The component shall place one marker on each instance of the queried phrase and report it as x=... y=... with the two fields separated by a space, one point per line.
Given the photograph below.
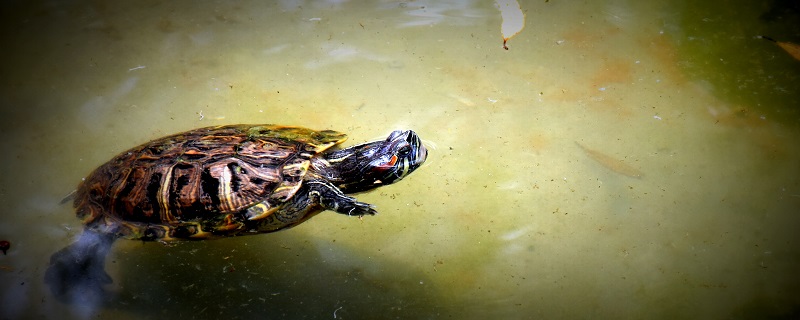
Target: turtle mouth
x=422 y=155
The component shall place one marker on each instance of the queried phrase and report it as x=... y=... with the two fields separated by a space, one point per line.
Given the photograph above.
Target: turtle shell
x=203 y=175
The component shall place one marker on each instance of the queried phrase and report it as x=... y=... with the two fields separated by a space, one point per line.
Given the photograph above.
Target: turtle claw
x=350 y=207
x=361 y=209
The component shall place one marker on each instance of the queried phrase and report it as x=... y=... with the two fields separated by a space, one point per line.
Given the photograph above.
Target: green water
x=623 y=159
x=721 y=46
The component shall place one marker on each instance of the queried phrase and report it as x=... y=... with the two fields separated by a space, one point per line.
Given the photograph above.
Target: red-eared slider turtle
x=223 y=181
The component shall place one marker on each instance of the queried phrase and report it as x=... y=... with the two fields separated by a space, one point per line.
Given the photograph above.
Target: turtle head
x=374 y=164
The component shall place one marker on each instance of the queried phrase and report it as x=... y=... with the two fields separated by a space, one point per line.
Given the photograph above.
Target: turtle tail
x=77 y=273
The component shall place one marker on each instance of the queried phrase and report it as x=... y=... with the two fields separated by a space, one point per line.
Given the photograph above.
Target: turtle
x=222 y=181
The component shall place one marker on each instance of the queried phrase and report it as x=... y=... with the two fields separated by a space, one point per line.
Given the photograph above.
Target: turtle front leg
x=331 y=198
x=313 y=197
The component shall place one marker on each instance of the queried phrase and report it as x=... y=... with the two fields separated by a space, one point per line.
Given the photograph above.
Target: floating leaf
x=792 y=48
x=513 y=19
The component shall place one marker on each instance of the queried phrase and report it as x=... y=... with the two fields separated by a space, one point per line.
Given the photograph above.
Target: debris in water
x=513 y=19
x=4 y=246
x=792 y=48
x=611 y=163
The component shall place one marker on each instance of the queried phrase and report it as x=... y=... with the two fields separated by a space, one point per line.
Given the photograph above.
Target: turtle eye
x=404 y=150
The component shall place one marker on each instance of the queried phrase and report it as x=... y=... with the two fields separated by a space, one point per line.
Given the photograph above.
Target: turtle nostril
x=422 y=154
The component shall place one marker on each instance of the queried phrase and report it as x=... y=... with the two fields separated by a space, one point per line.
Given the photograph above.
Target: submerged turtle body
x=225 y=181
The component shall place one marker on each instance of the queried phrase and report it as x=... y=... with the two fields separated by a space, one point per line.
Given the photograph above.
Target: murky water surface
x=623 y=159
